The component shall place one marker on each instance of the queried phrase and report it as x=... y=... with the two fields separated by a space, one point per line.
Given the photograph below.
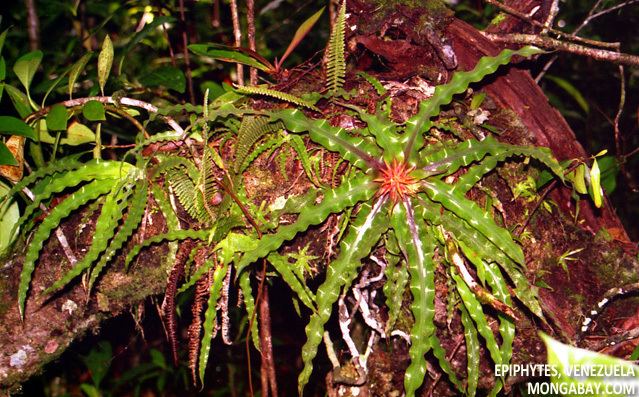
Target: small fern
x=335 y=57
x=251 y=130
x=282 y=96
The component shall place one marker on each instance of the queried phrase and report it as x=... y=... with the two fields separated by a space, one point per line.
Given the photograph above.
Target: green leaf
x=472 y=352
x=93 y=111
x=105 y=60
x=232 y=54
x=57 y=118
x=6 y=157
x=475 y=216
x=443 y=95
x=363 y=234
x=579 y=181
x=14 y=126
x=74 y=201
x=78 y=134
x=3 y=36
x=418 y=247
x=301 y=32
x=26 y=67
x=346 y=195
x=566 y=359
x=9 y=215
x=19 y=100
x=595 y=184
x=167 y=76
x=336 y=63
x=75 y=71
x=609 y=167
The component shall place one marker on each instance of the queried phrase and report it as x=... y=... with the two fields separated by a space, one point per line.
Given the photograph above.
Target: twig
x=110 y=100
x=552 y=14
x=250 y=31
x=185 y=51
x=559 y=33
x=591 y=15
x=554 y=44
x=237 y=33
x=622 y=101
x=224 y=308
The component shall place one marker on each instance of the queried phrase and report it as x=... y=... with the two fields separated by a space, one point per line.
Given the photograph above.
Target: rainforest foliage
x=109 y=140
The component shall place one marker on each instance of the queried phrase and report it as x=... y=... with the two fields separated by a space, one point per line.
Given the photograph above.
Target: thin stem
x=109 y=100
x=185 y=51
x=250 y=18
x=237 y=33
x=554 y=44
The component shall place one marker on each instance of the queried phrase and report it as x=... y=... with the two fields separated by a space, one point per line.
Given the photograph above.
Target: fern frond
x=63 y=165
x=418 y=247
x=361 y=153
x=475 y=216
x=472 y=352
x=302 y=155
x=336 y=62
x=346 y=195
x=283 y=267
x=85 y=194
x=251 y=130
x=394 y=288
x=209 y=318
x=91 y=171
x=377 y=85
x=443 y=95
x=267 y=147
x=249 y=303
x=130 y=224
x=172 y=235
x=111 y=213
x=363 y=235
x=282 y=96
x=187 y=193
x=477 y=314
x=444 y=363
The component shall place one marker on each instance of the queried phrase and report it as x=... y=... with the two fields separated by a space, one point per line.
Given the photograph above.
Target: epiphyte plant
x=398 y=188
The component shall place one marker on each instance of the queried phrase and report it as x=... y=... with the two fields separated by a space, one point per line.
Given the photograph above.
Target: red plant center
x=396 y=181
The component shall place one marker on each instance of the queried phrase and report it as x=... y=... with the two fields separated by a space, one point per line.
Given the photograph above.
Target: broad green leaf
x=232 y=54
x=595 y=184
x=301 y=32
x=565 y=360
x=6 y=158
x=9 y=215
x=166 y=76
x=15 y=126
x=57 y=118
x=75 y=71
x=78 y=134
x=579 y=181
x=26 y=67
x=609 y=167
x=93 y=111
x=19 y=100
x=3 y=69
x=105 y=60
x=3 y=36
